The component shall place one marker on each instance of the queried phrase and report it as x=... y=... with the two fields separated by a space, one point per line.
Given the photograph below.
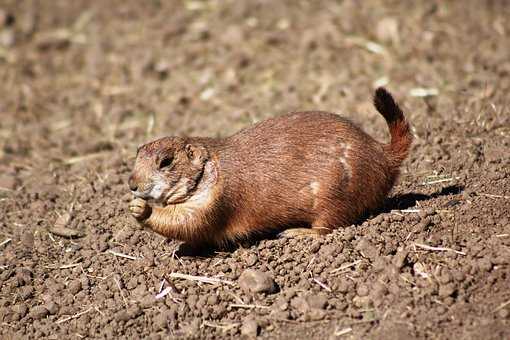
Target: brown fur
x=306 y=169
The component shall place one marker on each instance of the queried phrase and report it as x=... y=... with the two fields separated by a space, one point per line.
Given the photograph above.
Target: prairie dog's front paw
x=139 y=209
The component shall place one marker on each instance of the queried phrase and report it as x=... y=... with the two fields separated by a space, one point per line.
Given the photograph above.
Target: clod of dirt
x=400 y=258
x=54 y=40
x=251 y=259
x=485 y=264
x=128 y=314
x=20 y=309
x=318 y=301
x=348 y=235
x=419 y=269
x=367 y=249
x=378 y=291
x=387 y=30
x=27 y=239
x=52 y=308
x=329 y=250
x=5 y=314
x=162 y=318
x=362 y=301
x=315 y=247
x=281 y=304
x=147 y=301
x=63 y=220
x=38 y=312
x=423 y=225
x=255 y=281
x=300 y=304
x=212 y=300
x=311 y=306
x=444 y=278
x=26 y=292
x=24 y=276
x=250 y=328
x=60 y=227
x=74 y=287
x=446 y=290
x=362 y=290
x=315 y=314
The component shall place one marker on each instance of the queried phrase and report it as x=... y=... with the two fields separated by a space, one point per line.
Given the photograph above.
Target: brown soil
x=84 y=82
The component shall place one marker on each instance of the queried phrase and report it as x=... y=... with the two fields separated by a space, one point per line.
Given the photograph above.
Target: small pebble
x=212 y=300
x=318 y=301
x=400 y=258
x=27 y=240
x=315 y=314
x=300 y=304
x=485 y=264
x=255 y=281
x=20 y=309
x=361 y=301
x=362 y=290
x=315 y=247
x=74 y=287
x=26 y=292
x=161 y=319
x=367 y=249
x=251 y=259
x=38 y=312
x=446 y=290
x=52 y=308
x=250 y=328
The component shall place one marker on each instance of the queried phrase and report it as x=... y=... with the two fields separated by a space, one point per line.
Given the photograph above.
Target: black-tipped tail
x=400 y=131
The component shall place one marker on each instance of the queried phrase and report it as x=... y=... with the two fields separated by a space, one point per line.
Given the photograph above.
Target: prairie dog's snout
x=133 y=186
x=142 y=189
x=136 y=189
x=313 y=170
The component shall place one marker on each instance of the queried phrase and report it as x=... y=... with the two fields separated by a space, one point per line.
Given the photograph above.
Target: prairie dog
x=300 y=173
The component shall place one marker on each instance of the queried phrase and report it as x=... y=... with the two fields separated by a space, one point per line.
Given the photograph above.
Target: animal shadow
x=196 y=250
x=211 y=250
x=406 y=201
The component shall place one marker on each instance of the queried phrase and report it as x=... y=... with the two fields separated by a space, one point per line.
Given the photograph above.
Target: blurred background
x=125 y=71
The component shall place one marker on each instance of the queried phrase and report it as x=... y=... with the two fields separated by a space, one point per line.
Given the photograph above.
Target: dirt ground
x=84 y=82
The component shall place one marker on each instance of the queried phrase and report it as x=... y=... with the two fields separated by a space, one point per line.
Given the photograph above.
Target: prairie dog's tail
x=400 y=131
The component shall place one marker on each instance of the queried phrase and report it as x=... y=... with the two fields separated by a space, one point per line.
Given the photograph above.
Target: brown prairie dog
x=301 y=173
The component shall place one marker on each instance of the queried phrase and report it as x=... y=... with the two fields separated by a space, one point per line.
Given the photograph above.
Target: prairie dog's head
x=167 y=170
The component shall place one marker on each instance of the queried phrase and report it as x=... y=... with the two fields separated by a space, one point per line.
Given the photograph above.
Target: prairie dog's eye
x=166 y=162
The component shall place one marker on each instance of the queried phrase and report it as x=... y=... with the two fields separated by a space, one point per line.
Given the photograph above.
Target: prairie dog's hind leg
x=314 y=232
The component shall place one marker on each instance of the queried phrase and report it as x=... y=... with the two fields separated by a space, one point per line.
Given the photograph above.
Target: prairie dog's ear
x=197 y=154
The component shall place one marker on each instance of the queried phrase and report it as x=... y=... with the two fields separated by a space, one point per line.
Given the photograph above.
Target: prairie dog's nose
x=132 y=184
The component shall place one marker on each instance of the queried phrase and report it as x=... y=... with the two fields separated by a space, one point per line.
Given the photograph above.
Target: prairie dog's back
x=296 y=141
x=300 y=156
